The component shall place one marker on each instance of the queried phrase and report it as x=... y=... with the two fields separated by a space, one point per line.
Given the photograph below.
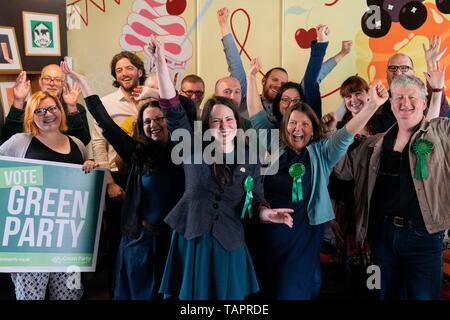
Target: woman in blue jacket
x=289 y=258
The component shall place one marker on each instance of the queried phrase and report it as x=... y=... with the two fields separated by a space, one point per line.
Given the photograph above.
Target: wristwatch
x=436 y=89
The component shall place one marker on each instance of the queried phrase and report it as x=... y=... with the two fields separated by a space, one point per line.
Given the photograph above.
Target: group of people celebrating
x=225 y=230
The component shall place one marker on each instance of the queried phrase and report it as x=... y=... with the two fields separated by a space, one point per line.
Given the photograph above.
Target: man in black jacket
x=52 y=80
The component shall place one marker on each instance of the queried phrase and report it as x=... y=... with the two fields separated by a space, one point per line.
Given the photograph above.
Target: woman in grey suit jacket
x=208 y=257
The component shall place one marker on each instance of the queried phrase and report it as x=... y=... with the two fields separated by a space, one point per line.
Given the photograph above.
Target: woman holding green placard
x=208 y=257
x=44 y=139
x=289 y=258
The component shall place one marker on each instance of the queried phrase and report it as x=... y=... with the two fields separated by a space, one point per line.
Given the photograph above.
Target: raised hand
x=222 y=18
x=165 y=85
x=279 y=215
x=255 y=66
x=71 y=95
x=378 y=93
x=21 y=89
x=346 y=47
x=78 y=78
x=323 y=33
x=432 y=53
x=436 y=78
x=154 y=48
x=330 y=121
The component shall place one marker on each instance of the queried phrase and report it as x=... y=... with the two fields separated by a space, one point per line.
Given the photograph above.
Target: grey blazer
x=204 y=207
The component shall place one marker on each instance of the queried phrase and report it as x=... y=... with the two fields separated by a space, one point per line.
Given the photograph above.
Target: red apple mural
x=304 y=38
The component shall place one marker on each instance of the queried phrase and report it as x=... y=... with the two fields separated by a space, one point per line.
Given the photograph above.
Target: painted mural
x=279 y=31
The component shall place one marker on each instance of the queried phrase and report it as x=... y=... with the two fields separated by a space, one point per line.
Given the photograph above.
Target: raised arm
x=432 y=55
x=378 y=95
x=169 y=101
x=119 y=139
x=234 y=61
x=14 y=118
x=311 y=88
x=254 y=104
x=335 y=146
x=77 y=122
x=436 y=81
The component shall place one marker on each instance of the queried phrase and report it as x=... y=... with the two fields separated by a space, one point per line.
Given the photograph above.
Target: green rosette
x=296 y=171
x=422 y=148
x=248 y=187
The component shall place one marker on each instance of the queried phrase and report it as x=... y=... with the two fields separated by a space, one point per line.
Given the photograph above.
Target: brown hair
x=32 y=104
x=318 y=130
x=192 y=78
x=267 y=74
x=135 y=61
x=351 y=85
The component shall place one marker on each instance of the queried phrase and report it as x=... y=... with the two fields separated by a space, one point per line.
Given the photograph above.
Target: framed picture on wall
x=41 y=34
x=9 y=53
x=7 y=96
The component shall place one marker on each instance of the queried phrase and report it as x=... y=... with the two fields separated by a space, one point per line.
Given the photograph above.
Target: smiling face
x=408 y=104
x=356 y=101
x=395 y=65
x=52 y=79
x=288 y=98
x=223 y=124
x=155 y=126
x=273 y=82
x=127 y=75
x=50 y=120
x=299 y=130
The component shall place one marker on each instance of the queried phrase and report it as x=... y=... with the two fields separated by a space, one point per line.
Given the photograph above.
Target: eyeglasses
x=158 y=120
x=403 y=69
x=40 y=112
x=288 y=100
x=48 y=80
x=190 y=93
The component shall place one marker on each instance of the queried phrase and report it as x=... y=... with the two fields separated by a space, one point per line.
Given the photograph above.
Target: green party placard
x=50 y=216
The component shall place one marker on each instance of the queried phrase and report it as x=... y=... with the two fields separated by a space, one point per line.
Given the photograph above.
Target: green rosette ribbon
x=296 y=171
x=248 y=187
x=421 y=148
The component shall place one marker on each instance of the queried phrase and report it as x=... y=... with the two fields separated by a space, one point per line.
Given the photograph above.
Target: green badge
x=296 y=171
x=248 y=187
x=421 y=148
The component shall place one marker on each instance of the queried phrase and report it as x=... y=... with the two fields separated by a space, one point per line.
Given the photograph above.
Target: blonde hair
x=33 y=103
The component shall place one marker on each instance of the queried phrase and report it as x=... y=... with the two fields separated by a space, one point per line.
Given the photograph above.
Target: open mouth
x=127 y=79
x=297 y=137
